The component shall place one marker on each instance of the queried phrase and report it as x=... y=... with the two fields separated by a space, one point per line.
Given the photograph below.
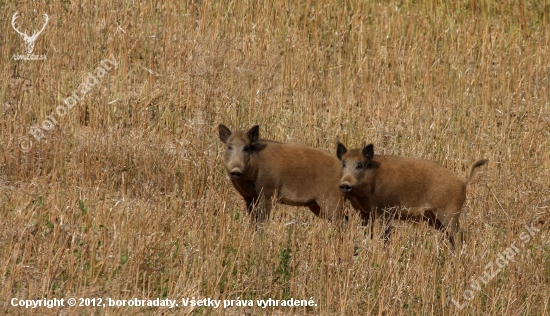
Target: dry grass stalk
x=127 y=196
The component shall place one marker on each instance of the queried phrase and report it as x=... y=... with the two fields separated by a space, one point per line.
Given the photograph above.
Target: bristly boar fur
x=262 y=170
x=403 y=188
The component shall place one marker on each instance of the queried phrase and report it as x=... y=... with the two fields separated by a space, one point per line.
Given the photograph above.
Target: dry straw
x=127 y=196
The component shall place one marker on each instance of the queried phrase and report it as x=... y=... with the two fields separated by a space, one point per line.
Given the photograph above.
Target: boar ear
x=254 y=133
x=341 y=150
x=368 y=151
x=224 y=133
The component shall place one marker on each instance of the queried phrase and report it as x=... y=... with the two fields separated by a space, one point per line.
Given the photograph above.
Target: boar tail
x=476 y=164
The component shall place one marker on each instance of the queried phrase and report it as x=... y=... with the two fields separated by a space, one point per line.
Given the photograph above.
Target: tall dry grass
x=127 y=197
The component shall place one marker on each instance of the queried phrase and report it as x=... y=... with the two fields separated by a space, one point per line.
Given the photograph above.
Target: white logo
x=29 y=40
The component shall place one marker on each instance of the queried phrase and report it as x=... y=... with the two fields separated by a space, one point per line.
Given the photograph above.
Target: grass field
x=123 y=195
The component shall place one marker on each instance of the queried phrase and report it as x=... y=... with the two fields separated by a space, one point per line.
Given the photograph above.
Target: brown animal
x=292 y=174
x=402 y=188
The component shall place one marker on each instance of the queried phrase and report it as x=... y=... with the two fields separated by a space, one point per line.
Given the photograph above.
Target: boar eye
x=343 y=164
x=230 y=147
x=246 y=148
x=359 y=165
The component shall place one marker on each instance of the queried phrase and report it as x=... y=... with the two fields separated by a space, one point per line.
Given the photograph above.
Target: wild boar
x=403 y=188
x=262 y=170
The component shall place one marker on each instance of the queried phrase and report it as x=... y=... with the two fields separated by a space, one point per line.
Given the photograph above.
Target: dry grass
x=127 y=196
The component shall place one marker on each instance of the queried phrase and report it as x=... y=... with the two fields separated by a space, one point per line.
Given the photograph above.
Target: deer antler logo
x=29 y=40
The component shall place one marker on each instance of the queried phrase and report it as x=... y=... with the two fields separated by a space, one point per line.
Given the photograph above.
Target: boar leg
x=431 y=218
x=387 y=231
x=315 y=208
x=333 y=210
x=258 y=209
x=452 y=229
x=387 y=216
x=367 y=217
x=262 y=207
x=436 y=223
x=365 y=213
x=250 y=202
x=449 y=224
x=251 y=207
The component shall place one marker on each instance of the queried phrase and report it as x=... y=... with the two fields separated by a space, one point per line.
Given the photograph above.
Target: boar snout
x=347 y=183
x=345 y=187
x=236 y=173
